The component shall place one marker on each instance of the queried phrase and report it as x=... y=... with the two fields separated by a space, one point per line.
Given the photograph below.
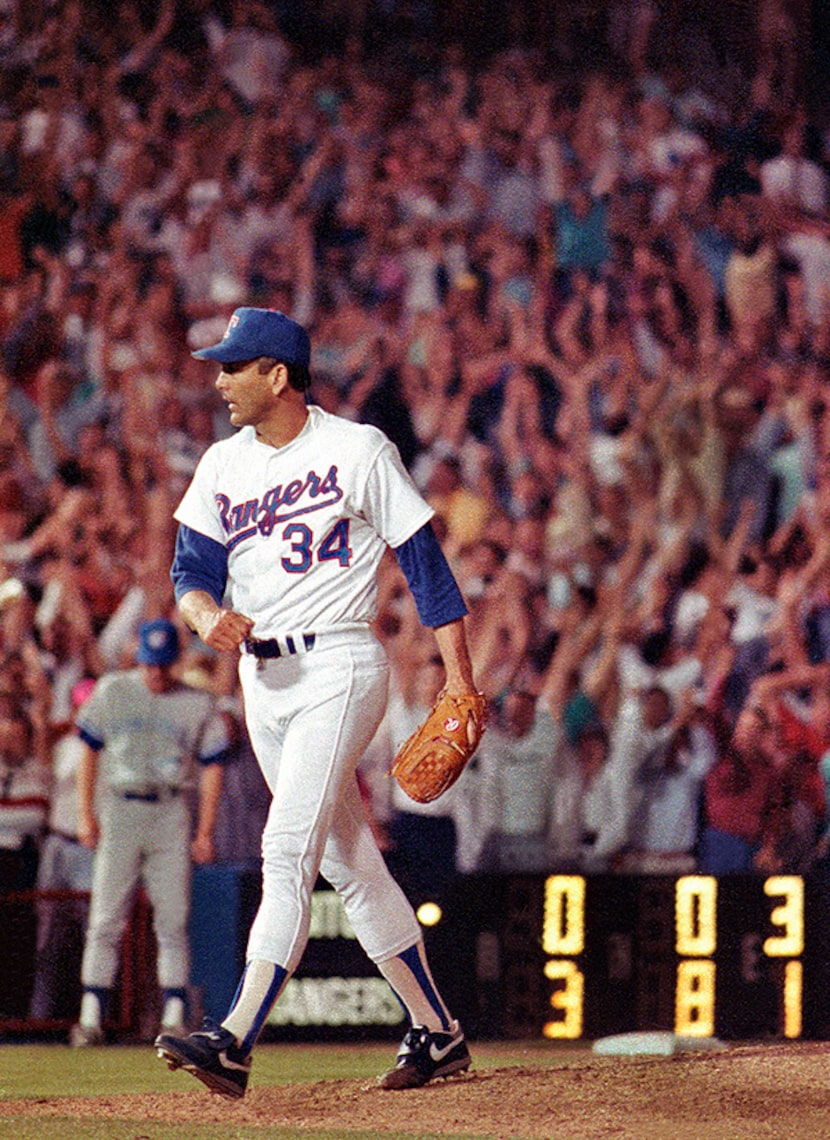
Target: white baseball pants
x=310 y=718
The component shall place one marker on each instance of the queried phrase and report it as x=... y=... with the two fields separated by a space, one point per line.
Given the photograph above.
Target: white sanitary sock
x=90 y=1011
x=409 y=976
x=258 y=990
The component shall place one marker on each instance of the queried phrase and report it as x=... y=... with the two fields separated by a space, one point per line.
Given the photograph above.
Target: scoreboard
x=683 y=949
x=566 y=956
x=737 y=957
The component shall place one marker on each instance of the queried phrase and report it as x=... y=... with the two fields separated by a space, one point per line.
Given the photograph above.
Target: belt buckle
x=250 y=644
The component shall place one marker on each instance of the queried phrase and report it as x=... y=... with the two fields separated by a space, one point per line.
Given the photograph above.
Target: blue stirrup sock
x=409 y=976
x=259 y=987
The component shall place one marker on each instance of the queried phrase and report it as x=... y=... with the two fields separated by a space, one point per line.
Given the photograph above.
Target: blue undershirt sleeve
x=89 y=738
x=434 y=588
x=199 y=563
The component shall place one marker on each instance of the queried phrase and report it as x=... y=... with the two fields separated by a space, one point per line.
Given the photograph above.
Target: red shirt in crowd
x=739 y=793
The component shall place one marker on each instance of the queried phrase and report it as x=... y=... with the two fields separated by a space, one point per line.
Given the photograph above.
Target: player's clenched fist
x=219 y=628
x=226 y=629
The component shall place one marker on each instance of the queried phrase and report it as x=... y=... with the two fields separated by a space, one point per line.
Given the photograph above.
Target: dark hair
x=71 y=474
x=587 y=594
x=697 y=560
x=299 y=376
x=654 y=645
x=592 y=729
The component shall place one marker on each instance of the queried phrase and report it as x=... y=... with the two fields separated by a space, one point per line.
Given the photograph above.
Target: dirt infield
x=754 y=1092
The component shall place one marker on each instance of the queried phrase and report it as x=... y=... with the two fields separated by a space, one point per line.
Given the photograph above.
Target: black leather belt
x=151 y=797
x=267 y=648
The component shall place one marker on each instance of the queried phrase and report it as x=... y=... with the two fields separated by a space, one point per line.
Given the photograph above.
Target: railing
x=41 y=942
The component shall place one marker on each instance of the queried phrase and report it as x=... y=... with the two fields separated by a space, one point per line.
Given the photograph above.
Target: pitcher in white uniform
x=281 y=533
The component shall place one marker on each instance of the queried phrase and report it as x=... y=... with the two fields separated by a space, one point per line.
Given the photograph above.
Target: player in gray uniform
x=147 y=732
x=294 y=512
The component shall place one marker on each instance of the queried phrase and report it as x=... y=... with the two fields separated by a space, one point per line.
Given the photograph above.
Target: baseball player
x=146 y=732
x=294 y=512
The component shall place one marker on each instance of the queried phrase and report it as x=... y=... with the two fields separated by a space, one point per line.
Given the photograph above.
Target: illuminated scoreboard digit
x=563 y=937
x=697 y=943
x=688 y=954
x=696 y=940
x=788 y=917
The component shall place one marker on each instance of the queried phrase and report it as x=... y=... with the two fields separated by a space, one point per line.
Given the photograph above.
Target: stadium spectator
x=64 y=865
x=589 y=305
x=518 y=777
x=24 y=777
x=667 y=791
x=739 y=797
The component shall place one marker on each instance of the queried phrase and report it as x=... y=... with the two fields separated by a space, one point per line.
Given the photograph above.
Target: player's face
x=157 y=678
x=246 y=391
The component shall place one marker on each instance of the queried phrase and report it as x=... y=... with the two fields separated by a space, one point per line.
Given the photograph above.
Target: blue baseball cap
x=158 y=643
x=252 y=333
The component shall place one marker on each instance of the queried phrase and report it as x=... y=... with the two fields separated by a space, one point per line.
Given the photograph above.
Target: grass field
x=766 y=1090
x=40 y=1073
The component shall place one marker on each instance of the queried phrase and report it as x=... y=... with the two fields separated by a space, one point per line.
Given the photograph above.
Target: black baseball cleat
x=423 y=1056
x=212 y=1055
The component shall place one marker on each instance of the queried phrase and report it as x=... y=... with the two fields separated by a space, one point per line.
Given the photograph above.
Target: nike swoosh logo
x=439 y=1054
x=229 y=1064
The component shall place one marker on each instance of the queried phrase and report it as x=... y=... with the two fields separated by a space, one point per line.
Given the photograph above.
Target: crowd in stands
x=589 y=302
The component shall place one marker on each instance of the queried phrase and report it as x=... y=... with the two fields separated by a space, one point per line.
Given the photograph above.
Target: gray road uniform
x=149 y=748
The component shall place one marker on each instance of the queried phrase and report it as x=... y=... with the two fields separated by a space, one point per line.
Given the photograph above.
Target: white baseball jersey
x=305 y=525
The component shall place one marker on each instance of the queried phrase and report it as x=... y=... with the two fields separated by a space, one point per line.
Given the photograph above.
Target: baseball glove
x=437 y=752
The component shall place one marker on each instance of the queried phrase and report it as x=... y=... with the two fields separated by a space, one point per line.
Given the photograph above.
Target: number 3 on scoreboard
x=568 y=999
x=789 y=915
